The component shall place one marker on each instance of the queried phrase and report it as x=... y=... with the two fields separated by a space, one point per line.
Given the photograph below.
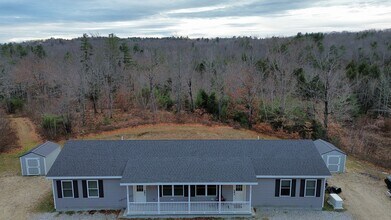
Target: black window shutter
x=318 y=187
x=186 y=191
x=293 y=190
x=59 y=190
x=160 y=191
x=84 y=185
x=277 y=189
x=75 y=189
x=192 y=191
x=101 y=193
x=302 y=184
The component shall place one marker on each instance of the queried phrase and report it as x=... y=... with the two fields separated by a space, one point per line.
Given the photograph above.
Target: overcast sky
x=38 y=19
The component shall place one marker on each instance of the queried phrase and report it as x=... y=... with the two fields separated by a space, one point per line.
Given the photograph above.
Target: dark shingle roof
x=43 y=149
x=189 y=170
x=325 y=147
x=109 y=158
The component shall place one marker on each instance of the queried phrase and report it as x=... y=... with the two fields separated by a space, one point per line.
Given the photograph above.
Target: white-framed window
x=285 y=187
x=211 y=190
x=167 y=190
x=140 y=188
x=67 y=188
x=206 y=190
x=200 y=190
x=310 y=188
x=92 y=189
x=178 y=190
x=170 y=190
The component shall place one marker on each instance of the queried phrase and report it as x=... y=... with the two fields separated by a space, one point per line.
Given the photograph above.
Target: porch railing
x=135 y=208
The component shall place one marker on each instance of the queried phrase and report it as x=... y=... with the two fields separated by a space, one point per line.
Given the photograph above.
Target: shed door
x=333 y=163
x=33 y=166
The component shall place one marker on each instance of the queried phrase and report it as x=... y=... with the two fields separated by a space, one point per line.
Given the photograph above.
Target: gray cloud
x=26 y=19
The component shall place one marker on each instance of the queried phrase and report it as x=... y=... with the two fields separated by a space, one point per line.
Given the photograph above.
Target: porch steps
x=190 y=216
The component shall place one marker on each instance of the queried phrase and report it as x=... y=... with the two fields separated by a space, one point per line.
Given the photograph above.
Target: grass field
x=176 y=131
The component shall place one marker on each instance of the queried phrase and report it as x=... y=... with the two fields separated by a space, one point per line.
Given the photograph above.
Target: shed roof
x=325 y=147
x=116 y=158
x=43 y=149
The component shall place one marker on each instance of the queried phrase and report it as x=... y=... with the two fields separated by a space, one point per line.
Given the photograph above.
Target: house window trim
x=290 y=187
x=207 y=194
x=172 y=191
x=88 y=189
x=196 y=194
x=183 y=191
x=305 y=187
x=62 y=189
x=206 y=191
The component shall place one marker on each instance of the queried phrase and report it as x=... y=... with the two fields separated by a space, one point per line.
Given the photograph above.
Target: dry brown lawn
x=177 y=131
x=363 y=190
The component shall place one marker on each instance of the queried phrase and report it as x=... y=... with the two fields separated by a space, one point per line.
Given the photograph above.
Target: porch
x=188 y=185
x=203 y=200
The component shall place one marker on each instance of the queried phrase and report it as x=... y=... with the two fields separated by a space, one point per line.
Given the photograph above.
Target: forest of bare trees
x=309 y=84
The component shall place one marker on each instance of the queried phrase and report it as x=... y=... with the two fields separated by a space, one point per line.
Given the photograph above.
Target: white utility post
x=127 y=198
x=251 y=189
x=219 y=198
x=188 y=198
x=158 y=199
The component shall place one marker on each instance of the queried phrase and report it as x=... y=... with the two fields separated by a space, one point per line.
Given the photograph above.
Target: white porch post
x=219 y=198
x=127 y=198
x=188 y=198
x=251 y=190
x=158 y=199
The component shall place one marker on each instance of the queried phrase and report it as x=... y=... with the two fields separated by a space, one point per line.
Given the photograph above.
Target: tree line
x=297 y=84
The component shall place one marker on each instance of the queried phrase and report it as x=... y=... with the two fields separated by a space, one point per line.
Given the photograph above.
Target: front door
x=33 y=167
x=140 y=193
x=239 y=193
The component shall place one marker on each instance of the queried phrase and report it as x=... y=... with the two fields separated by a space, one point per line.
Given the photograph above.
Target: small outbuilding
x=37 y=161
x=334 y=158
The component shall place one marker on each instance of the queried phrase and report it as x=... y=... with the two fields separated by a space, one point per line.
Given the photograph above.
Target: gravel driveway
x=282 y=214
x=75 y=216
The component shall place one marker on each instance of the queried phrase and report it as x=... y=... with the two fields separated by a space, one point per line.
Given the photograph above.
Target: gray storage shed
x=38 y=160
x=334 y=158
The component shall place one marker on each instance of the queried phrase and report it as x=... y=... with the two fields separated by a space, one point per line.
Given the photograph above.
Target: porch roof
x=189 y=170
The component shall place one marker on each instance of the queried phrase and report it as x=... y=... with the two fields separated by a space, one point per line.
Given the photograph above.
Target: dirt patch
x=363 y=190
x=26 y=132
x=19 y=195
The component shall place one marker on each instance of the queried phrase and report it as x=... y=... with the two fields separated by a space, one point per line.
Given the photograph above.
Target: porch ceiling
x=189 y=170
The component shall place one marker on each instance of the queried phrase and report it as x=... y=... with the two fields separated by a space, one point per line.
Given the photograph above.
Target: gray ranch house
x=188 y=177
